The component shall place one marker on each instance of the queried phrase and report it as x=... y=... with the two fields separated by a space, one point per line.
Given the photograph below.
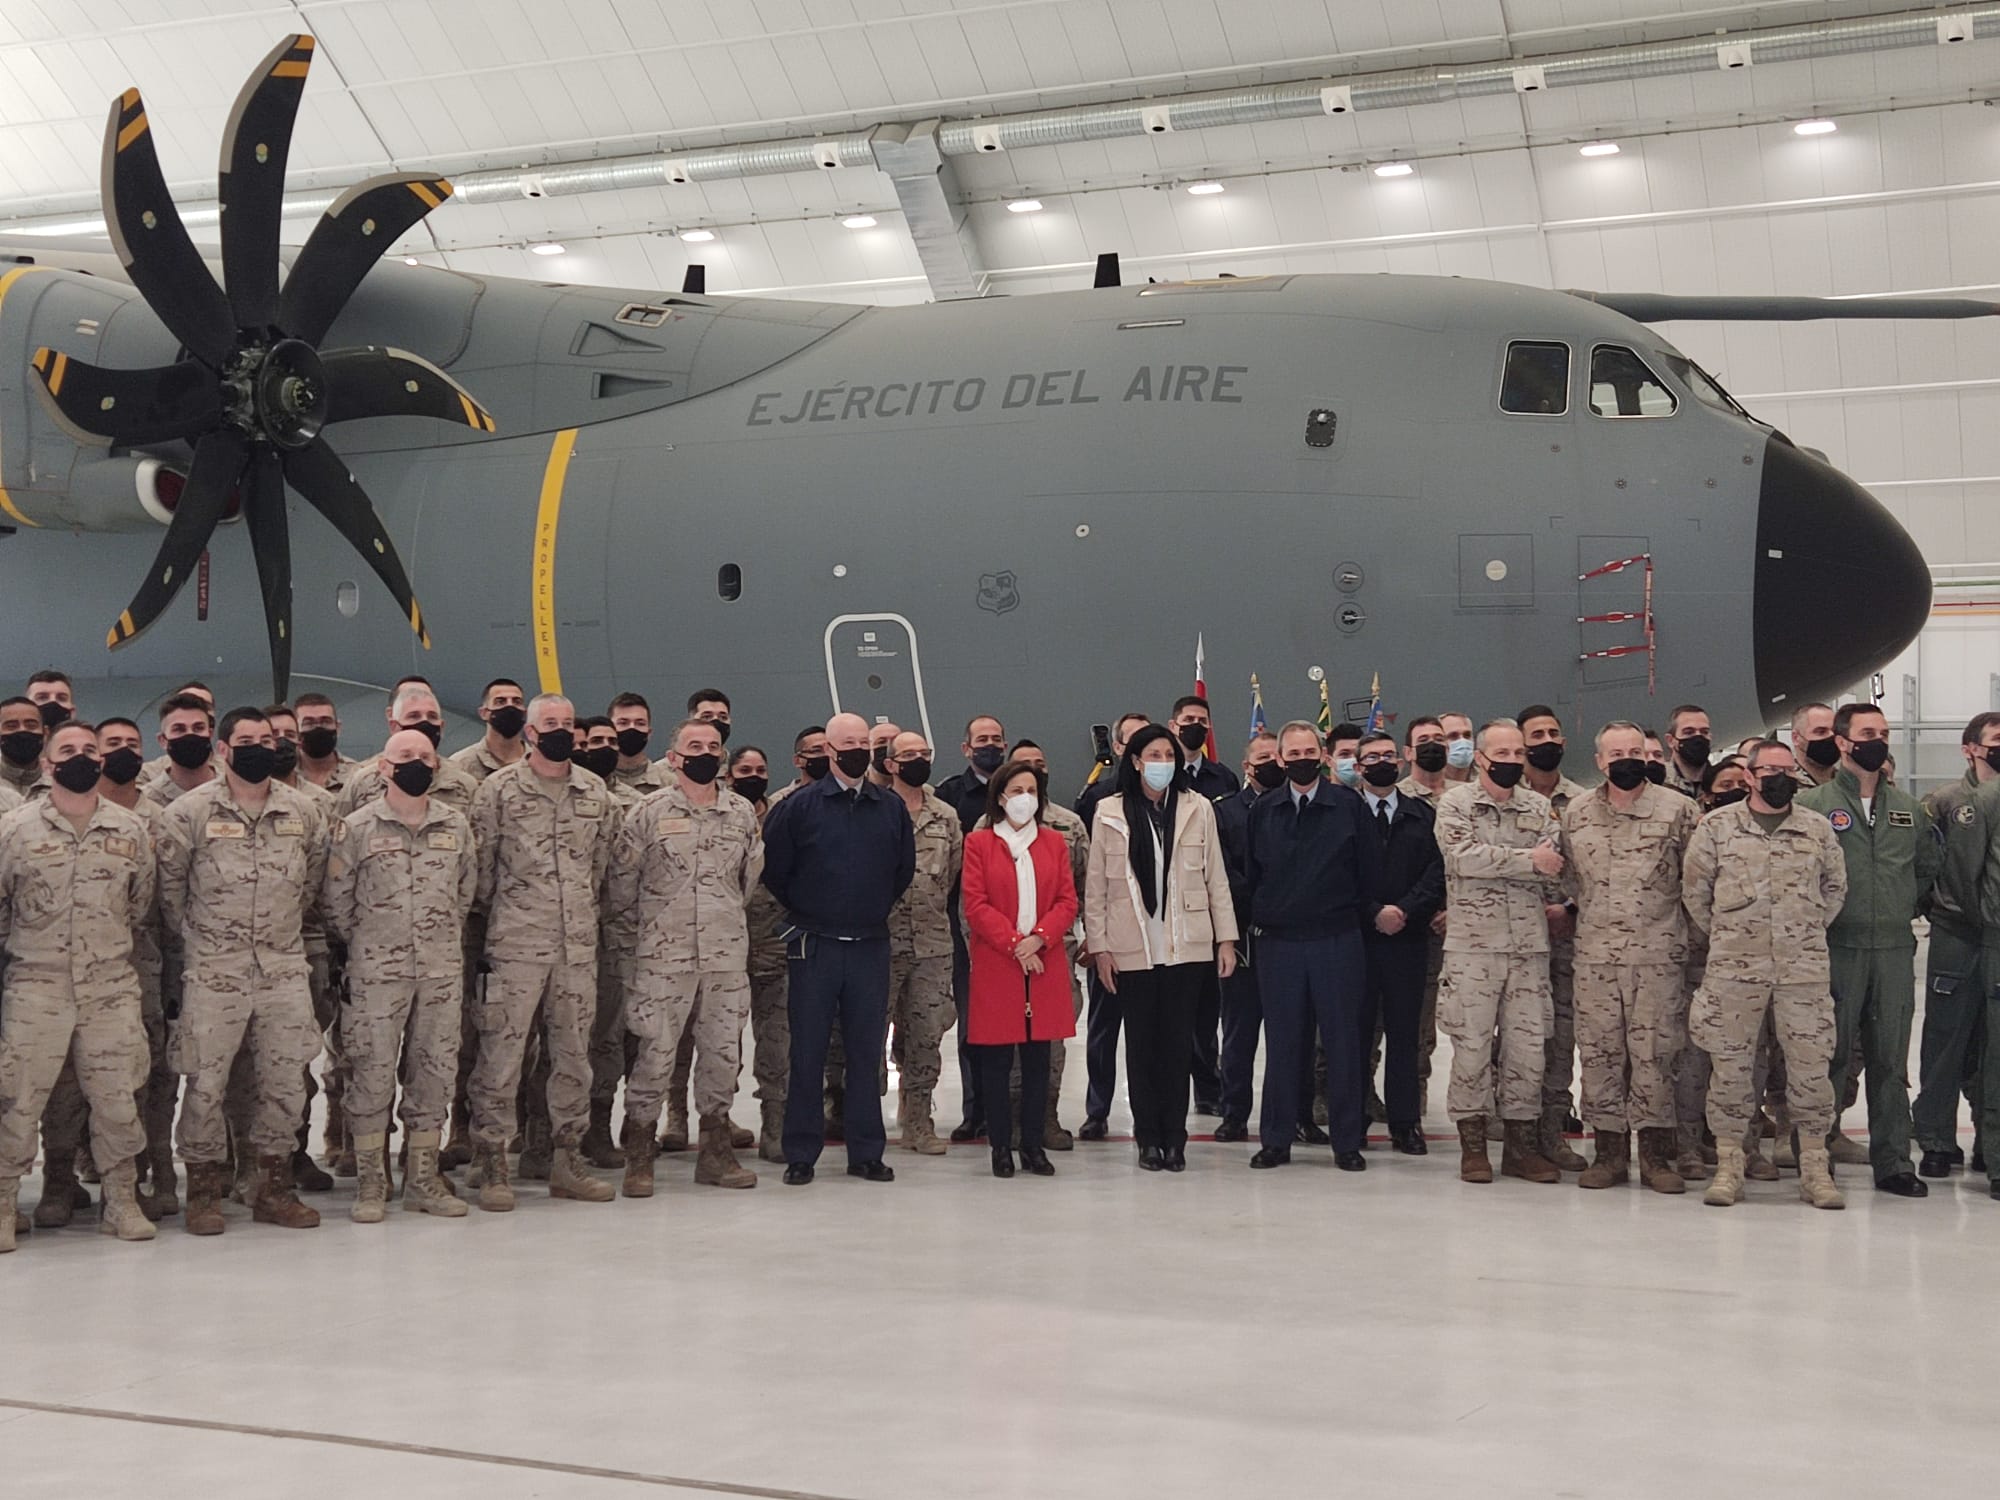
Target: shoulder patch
x=1963 y=814
x=1841 y=819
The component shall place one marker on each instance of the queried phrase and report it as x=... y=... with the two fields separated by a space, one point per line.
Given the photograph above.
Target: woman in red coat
x=1019 y=898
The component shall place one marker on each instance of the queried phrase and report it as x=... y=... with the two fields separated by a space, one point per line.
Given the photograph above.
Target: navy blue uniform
x=837 y=859
x=1409 y=876
x=1242 y=1011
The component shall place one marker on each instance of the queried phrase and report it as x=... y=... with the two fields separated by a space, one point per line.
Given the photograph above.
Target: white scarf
x=1019 y=842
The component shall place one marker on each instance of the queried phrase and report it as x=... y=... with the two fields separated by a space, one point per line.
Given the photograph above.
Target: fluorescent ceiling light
x=1025 y=206
x=1599 y=148
x=547 y=247
x=409 y=260
x=1204 y=189
x=1814 y=127
x=1394 y=169
x=697 y=236
x=859 y=221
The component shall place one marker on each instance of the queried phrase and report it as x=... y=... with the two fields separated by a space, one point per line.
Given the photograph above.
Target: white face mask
x=1021 y=809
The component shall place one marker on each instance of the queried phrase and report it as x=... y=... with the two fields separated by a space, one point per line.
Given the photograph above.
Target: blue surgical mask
x=1344 y=772
x=1458 y=755
x=1159 y=774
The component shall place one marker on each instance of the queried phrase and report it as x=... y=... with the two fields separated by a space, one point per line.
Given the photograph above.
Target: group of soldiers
x=503 y=938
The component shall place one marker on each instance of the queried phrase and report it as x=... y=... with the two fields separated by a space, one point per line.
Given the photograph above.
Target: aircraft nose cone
x=1841 y=588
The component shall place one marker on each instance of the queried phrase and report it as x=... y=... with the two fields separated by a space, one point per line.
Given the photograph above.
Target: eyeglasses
x=1380 y=758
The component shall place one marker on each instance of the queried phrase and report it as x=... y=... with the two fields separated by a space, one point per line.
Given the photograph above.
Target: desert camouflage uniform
x=920 y=1004
x=612 y=1048
x=20 y=780
x=1559 y=1050
x=164 y=791
x=770 y=1019
x=453 y=786
x=639 y=783
x=477 y=762
x=337 y=779
x=1427 y=1027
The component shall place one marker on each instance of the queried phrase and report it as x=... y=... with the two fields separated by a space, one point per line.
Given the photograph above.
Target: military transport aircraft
x=1485 y=494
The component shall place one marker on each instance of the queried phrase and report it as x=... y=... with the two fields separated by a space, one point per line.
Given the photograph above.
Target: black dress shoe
x=960 y=1134
x=1993 y=1190
x=1350 y=1161
x=1935 y=1164
x=1904 y=1185
x=1271 y=1156
x=1038 y=1162
x=871 y=1171
x=1176 y=1158
x=1232 y=1130
x=1409 y=1142
x=1957 y=1155
x=1003 y=1163
x=1311 y=1135
x=1207 y=1107
x=1093 y=1129
x=1152 y=1159
x=798 y=1174
x=1978 y=1162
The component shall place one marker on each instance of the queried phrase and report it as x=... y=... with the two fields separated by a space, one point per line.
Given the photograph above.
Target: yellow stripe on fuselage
x=6 y=500
x=542 y=580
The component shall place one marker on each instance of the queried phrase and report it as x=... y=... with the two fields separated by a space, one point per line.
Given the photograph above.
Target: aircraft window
x=1537 y=380
x=1622 y=386
x=729 y=582
x=1707 y=389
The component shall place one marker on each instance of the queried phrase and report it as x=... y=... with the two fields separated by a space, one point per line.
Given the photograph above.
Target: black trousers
x=1395 y=1002
x=1100 y=1055
x=995 y=1066
x=1206 y=1064
x=1159 y=1009
x=961 y=986
x=1303 y=981
x=1242 y=1024
x=851 y=981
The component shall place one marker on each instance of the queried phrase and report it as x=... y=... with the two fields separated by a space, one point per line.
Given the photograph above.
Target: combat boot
x=771 y=1140
x=1496 y=1128
x=537 y=1152
x=1688 y=1160
x=569 y=1177
x=1054 y=1137
x=277 y=1200
x=309 y=1176
x=371 y=1199
x=336 y=1140
x=597 y=1147
x=1614 y=1161
x=1727 y=1185
x=913 y=1113
x=10 y=1213
x=717 y=1166
x=1519 y=1158
x=164 y=1200
x=1554 y=1147
x=59 y=1192
x=120 y=1214
x=204 y=1199
x=1474 y=1165
x=496 y=1196
x=641 y=1146
x=242 y=1176
x=675 y=1137
x=1656 y=1161
x=1785 y=1151
x=1757 y=1167
x=425 y=1190
x=1816 y=1179
x=459 y=1153
x=741 y=1138
x=1844 y=1151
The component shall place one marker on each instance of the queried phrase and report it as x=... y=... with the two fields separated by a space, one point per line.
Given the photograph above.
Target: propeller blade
x=322 y=476
x=132 y=407
x=153 y=244
x=1661 y=307
x=375 y=382
x=270 y=542
x=349 y=238
x=1107 y=270
x=694 y=280
x=218 y=462
x=255 y=147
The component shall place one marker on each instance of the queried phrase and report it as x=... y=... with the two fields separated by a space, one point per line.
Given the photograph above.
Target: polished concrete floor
x=1106 y=1333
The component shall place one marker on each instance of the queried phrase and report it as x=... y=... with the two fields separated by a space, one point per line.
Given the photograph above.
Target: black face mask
x=287 y=760
x=1870 y=755
x=1656 y=772
x=1727 y=799
x=1193 y=737
x=1431 y=757
x=430 y=731
x=319 y=742
x=1627 y=774
x=23 y=746
x=913 y=772
x=412 y=777
x=632 y=743
x=53 y=714
x=751 y=788
x=815 y=767
x=1545 y=756
x=191 y=751
x=701 y=769
x=1777 y=788
x=557 y=745
x=507 y=722
x=854 y=763
x=986 y=759
x=1303 y=772
x=1505 y=773
x=1693 y=749
x=882 y=760
x=1268 y=774
x=122 y=767
x=721 y=727
x=1823 y=753
x=253 y=763
x=78 y=774
x=1992 y=757
x=602 y=761
x=1380 y=776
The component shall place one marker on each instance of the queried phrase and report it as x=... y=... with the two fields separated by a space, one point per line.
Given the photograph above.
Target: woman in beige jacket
x=1156 y=915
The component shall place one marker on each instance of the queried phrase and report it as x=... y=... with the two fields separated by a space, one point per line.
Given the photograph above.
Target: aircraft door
x=873 y=669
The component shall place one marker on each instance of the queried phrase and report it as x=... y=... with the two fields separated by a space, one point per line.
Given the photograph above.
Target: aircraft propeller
x=253 y=390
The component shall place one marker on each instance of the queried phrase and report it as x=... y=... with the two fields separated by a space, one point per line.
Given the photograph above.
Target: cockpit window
x=1706 y=388
x=1536 y=383
x=1622 y=386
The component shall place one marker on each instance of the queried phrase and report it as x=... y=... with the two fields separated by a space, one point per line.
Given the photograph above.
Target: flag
x=1375 y=704
x=1201 y=691
x=1257 y=724
x=1325 y=720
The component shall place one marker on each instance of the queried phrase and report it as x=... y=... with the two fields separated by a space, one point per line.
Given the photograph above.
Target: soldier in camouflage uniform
x=1427 y=745
x=543 y=829
x=770 y=1023
x=321 y=763
x=70 y=897
x=187 y=731
x=239 y=865
x=1502 y=857
x=685 y=863
x=1626 y=842
x=1764 y=880
x=400 y=877
x=1544 y=734
x=920 y=1004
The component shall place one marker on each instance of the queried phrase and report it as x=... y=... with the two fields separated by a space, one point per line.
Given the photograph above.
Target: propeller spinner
x=254 y=390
